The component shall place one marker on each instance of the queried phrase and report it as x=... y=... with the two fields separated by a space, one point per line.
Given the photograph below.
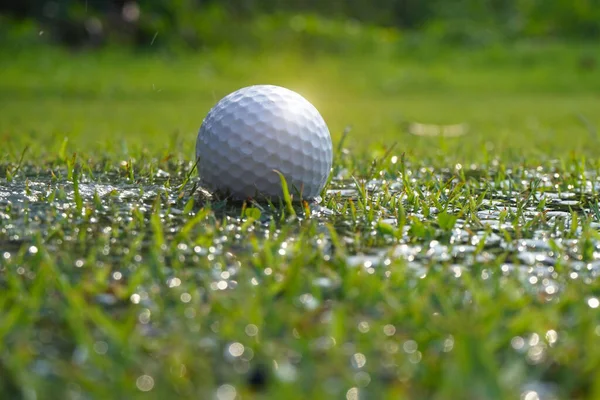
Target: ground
x=448 y=266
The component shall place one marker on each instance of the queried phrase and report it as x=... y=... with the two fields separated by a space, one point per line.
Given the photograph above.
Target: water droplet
x=236 y=349
x=415 y=357
x=352 y=394
x=449 y=344
x=173 y=282
x=135 y=298
x=389 y=330
x=309 y=301
x=536 y=354
x=410 y=346
x=144 y=316
x=358 y=360
x=251 y=330
x=286 y=372
x=363 y=327
x=145 y=383
x=517 y=342
x=530 y=395
x=185 y=297
x=551 y=336
x=226 y=392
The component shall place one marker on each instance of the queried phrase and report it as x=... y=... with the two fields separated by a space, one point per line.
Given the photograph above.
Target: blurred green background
x=214 y=23
x=520 y=78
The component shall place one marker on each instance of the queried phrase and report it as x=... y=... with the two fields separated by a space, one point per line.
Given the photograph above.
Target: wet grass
x=441 y=267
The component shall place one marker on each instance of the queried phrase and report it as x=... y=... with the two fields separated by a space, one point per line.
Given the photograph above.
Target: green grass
x=528 y=102
x=442 y=268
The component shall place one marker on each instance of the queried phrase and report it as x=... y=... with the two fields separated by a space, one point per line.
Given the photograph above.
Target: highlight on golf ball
x=256 y=130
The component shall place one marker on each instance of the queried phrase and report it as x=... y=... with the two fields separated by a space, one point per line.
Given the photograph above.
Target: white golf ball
x=258 y=129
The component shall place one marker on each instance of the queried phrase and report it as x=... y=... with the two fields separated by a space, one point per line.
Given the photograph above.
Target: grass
x=440 y=267
x=531 y=103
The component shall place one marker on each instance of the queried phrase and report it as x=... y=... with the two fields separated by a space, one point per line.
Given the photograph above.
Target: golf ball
x=256 y=130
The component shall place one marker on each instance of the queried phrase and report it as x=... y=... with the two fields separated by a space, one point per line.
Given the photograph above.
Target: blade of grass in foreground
x=287 y=199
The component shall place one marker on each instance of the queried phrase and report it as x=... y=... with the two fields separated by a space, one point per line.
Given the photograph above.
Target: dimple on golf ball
x=256 y=130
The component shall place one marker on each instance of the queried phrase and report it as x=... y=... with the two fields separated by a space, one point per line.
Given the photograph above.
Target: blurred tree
x=202 y=22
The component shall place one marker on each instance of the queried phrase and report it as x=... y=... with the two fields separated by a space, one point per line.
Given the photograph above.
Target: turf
x=523 y=102
x=432 y=267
